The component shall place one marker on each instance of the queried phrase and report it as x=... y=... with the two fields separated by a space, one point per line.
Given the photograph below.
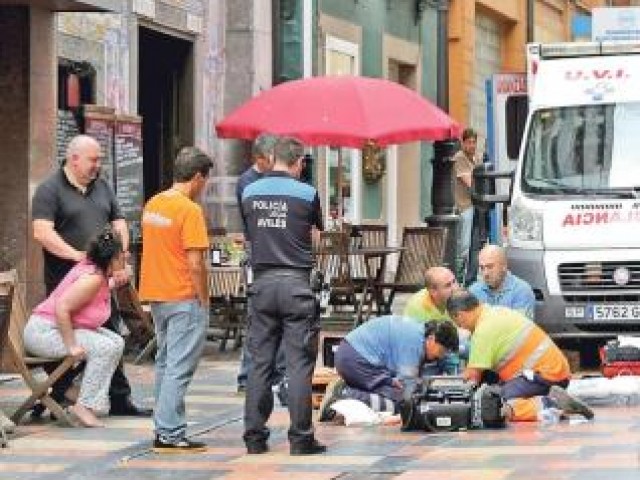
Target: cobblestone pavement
x=608 y=448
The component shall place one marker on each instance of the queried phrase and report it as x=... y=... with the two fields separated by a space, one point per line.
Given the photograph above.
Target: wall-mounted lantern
x=374 y=162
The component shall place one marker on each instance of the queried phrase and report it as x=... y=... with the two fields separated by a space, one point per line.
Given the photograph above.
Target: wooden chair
x=333 y=260
x=366 y=236
x=228 y=304
x=423 y=247
x=6 y=299
x=139 y=321
x=25 y=364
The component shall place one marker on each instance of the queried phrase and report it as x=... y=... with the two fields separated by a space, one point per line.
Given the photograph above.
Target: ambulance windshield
x=585 y=149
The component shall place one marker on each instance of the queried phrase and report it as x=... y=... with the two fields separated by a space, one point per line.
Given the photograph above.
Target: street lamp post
x=443 y=197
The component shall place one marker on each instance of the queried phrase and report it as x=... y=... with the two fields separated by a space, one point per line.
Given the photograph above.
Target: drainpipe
x=442 y=7
x=307 y=38
x=276 y=42
x=530 y=20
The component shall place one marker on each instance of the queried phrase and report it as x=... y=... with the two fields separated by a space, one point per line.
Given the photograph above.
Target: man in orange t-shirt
x=174 y=279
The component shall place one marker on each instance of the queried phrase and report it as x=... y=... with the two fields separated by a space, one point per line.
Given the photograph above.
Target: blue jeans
x=464 y=238
x=180 y=331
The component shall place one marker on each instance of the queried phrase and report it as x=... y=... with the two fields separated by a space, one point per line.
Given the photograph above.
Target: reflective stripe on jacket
x=534 y=350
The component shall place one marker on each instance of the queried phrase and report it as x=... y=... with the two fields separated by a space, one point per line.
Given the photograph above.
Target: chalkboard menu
x=99 y=123
x=129 y=170
x=66 y=129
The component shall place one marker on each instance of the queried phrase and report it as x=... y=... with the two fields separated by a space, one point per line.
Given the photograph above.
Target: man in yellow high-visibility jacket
x=429 y=304
x=533 y=371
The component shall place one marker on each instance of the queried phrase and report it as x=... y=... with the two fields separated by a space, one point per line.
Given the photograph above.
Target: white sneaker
x=549 y=416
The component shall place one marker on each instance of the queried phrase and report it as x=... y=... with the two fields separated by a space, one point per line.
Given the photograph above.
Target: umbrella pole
x=339 y=181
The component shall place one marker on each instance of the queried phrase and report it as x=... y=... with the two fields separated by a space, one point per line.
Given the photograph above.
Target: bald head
x=84 y=160
x=492 y=262
x=80 y=144
x=440 y=283
x=437 y=275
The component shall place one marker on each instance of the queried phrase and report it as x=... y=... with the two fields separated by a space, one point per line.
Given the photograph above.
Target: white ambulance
x=574 y=224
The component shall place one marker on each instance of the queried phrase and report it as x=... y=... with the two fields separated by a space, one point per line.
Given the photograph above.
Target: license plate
x=623 y=311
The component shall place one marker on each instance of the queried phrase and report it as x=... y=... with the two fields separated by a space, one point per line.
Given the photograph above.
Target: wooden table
x=374 y=265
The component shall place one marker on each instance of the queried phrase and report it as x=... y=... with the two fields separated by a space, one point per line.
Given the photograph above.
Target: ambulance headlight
x=525 y=224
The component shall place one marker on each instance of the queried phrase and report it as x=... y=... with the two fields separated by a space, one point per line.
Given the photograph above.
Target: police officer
x=281 y=214
x=262 y=153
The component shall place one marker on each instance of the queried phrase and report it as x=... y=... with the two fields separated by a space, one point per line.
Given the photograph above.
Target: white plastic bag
x=625 y=385
x=620 y=390
x=358 y=414
x=590 y=388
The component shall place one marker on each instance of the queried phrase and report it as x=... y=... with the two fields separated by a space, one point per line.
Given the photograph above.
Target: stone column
x=43 y=78
x=27 y=133
x=248 y=70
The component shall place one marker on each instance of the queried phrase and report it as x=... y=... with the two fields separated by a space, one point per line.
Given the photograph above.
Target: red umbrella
x=343 y=111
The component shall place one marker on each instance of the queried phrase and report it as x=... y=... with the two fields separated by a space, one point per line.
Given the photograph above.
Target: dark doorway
x=165 y=102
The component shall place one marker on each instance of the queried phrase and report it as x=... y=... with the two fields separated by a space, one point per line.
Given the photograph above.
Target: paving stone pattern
x=608 y=448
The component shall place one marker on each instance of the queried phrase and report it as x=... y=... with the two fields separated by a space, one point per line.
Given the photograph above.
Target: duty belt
x=301 y=273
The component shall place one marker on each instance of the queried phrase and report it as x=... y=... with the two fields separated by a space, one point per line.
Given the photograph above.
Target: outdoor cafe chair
x=26 y=364
x=227 y=305
x=333 y=260
x=422 y=248
x=364 y=236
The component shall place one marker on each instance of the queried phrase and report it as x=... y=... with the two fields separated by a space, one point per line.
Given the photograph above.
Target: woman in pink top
x=69 y=322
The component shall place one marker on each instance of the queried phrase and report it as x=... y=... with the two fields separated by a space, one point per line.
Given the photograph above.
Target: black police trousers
x=283 y=309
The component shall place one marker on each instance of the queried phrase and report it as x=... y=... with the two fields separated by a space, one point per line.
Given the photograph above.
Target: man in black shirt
x=281 y=214
x=68 y=208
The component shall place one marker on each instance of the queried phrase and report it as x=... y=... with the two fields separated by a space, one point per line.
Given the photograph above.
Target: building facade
x=488 y=37
x=161 y=61
x=178 y=66
x=390 y=39
x=28 y=121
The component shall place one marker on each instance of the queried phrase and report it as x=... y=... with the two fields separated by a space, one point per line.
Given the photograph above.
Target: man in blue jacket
x=380 y=361
x=500 y=287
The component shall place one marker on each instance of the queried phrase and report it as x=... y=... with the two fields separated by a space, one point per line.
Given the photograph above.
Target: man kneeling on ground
x=380 y=361
x=533 y=372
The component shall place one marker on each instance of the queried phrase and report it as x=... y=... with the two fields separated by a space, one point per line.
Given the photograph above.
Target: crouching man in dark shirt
x=379 y=362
